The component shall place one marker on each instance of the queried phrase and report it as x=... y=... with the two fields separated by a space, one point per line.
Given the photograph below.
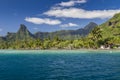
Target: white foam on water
x=56 y=51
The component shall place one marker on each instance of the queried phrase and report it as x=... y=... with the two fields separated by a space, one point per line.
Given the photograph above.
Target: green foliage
x=96 y=34
x=105 y=34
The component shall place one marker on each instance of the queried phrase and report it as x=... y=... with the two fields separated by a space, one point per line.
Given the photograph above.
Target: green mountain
x=93 y=36
x=68 y=34
x=111 y=28
x=107 y=34
x=24 y=34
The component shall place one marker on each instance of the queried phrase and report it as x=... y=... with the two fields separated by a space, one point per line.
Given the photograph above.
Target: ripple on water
x=65 y=66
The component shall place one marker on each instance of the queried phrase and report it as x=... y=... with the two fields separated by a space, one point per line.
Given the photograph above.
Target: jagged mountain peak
x=23 y=28
x=90 y=26
x=23 y=33
x=87 y=29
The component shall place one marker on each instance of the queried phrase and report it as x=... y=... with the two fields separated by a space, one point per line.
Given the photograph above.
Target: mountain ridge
x=106 y=35
x=23 y=33
x=79 y=32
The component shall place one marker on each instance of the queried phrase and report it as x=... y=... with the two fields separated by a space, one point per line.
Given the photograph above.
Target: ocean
x=59 y=65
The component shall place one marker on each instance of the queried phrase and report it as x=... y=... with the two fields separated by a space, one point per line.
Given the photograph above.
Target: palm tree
x=96 y=36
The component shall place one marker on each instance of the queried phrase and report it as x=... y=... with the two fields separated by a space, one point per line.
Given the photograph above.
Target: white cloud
x=81 y=13
x=68 y=25
x=48 y=21
x=71 y=3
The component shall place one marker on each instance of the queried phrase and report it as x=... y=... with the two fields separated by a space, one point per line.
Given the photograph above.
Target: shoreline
x=60 y=50
x=80 y=51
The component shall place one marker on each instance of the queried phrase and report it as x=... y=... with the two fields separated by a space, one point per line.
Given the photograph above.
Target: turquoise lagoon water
x=59 y=65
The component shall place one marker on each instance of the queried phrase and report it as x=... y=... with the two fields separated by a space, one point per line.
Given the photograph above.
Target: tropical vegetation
x=90 y=37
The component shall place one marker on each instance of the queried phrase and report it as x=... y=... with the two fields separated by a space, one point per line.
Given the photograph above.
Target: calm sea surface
x=59 y=65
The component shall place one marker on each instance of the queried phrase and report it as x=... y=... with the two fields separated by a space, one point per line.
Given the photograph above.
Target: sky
x=53 y=15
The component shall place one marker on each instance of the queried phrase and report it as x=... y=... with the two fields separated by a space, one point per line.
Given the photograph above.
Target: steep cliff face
x=24 y=33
